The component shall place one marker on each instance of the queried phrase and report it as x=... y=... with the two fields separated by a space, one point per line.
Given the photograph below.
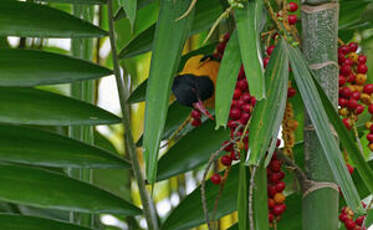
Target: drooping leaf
x=121 y=13
x=242 y=197
x=206 y=13
x=189 y=212
x=318 y=116
x=260 y=197
x=139 y=94
x=27 y=19
x=18 y=222
x=165 y=60
x=348 y=141
x=269 y=112
x=249 y=42
x=20 y=67
x=191 y=151
x=226 y=80
x=46 y=189
x=130 y=7
x=37 y=107
x=31 y=146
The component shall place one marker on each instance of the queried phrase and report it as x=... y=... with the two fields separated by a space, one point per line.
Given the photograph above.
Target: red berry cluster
x=347 y=217
x=275 y=188
x=292 y=18
x=354 y=94
x=196 y=118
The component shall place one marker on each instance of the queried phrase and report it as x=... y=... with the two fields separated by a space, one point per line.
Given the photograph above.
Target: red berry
x=353 y=46
x=279 y=209
x=216 y=179
x=232 y=124
x=247 y=108
x=348 y=61
x=291 y=92
x=235 y=114
x=368 y=88
x=342 y=102
x=196 y=122
x=362 y=59
x=342 y=80
x=278 y=143
x=281 y=175
x=344 y=50
x=292 y=19
x=355 y=95
x=270 y=50
x=246 y=97
x=271 y=217
x=237 y=94
x=347 y=123
x=280 y=186
x=241 y=74
x=265 y=61
x=271 y=190
x=370 y=108
x=252 y=100
x=350 y=224
x=235 y=156
x=343 y=217
x=346 y=92
x=371 y=128
x=221 y=47
x=228 y=147
x=240 y=103
x=196 y=114
x=271 y=203
x=370 y=137
x=359 y=109
x=359 y=221
x=275 y=165
x=350 y=168
x=362 y=68
x=275 y=178
x=244 y=118
x=293 y=6
x=351 y=78
x=341 y=58
x=352 y=103
x=226 y=160
x=345 y=70
x=242 y=85
x=226 y=37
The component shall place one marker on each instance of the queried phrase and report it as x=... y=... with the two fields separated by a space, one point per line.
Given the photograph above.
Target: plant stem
x=320 y=37
x=147 y=203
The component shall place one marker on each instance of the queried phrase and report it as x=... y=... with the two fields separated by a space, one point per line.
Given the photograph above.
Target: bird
x=195 y=85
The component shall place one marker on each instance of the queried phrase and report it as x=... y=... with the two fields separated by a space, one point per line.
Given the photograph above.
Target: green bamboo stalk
x=130 y=146
x=82 y=48
x=320 y=39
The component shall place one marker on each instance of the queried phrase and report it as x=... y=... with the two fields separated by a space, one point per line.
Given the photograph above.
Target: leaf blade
x=30 y=106
x=20 y=67
x=27 y=19
x=165 y=59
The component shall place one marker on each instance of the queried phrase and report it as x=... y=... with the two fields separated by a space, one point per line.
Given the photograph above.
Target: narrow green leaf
x=249 y=41
x=18 y=222
x=140 y=4
x=31 y=146
x=189 y=212
x=369 y=220
x=165 y=60
x=319 y=118
x=27 y=19
x=226 y=80
x=348 y=141
x=20 y=67
x=269 y=112
x=206 y=13
x=193 y=150
x=139 y=94
x=130 y=7
x=260 y=197
x=37 y=107
x=242 y=197
x=46 y=189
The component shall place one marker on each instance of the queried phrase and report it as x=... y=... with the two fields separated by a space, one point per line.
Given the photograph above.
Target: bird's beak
x=200 y=107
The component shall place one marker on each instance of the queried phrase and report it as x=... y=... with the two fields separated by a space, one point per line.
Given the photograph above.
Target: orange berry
x=361 y=79
x=279 y=198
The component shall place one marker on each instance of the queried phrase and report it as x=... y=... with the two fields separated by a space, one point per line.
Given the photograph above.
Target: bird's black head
x=190 y=89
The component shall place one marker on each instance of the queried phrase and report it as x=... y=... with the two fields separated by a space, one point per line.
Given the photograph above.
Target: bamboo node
x=322 y=65
x=311 y=186
x=312 y=9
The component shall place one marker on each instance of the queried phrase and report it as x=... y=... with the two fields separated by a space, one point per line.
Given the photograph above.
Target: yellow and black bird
x=195 y=85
